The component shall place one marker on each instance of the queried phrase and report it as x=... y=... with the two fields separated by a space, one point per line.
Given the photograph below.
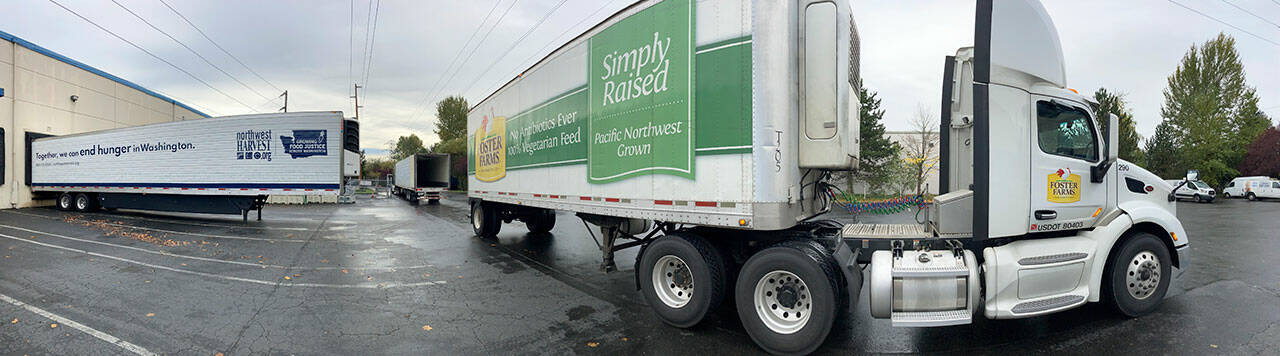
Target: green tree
x=879 y=160
x=1114 y=103
x=1162 y=155
x=452 y=115
x=1211 y=110
x=406 y=146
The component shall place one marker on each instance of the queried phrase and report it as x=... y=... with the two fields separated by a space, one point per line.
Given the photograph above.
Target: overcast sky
x=312 y=49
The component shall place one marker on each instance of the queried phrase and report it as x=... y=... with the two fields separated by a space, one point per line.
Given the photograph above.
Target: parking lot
x=384 y=277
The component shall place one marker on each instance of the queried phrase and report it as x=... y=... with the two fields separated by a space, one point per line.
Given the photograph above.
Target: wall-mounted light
x=75 y=98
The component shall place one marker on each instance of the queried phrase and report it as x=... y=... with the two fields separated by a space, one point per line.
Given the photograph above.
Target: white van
x=1196 y=190
x=1236 y=188
x=1262 y=189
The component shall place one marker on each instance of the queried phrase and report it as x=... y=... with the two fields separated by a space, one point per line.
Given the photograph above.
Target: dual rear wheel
x=787 y=295
x=82 y=202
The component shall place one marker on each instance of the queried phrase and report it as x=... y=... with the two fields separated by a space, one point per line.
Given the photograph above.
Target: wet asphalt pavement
x=383 y=277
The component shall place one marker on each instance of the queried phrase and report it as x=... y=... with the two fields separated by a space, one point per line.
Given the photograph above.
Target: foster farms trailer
x=226 y=165
x=706 y=133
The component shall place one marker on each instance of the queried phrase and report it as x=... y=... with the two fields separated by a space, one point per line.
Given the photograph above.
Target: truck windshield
x=1065 y=131
x=1200 y=185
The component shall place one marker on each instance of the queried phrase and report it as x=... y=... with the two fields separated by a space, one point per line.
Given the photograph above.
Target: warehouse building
x=44 y=93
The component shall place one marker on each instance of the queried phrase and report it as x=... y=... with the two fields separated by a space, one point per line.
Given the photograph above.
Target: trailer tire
x=765 y=287
x=1130 y=288
x=484 y=220
x=682 y=277
x=541 y=222
x=66 y=201
x=84 y=203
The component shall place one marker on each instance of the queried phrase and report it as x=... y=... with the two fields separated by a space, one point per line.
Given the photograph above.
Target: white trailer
x=226 y=165
x=705 y=132
x=422 y=176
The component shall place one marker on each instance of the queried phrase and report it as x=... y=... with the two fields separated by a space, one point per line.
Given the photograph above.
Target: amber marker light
x=1175 y=236
x=1096 y=212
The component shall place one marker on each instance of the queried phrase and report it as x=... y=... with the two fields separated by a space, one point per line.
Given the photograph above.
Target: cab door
x=1065 y=145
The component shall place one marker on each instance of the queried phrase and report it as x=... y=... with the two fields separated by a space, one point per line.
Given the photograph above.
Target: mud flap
x=847 y=259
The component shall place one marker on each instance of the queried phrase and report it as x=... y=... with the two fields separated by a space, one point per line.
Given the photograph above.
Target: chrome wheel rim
x=783 y=302
x=65 y=202
x=475 y=217
x=82 y=203
x=1143 y=275
x=672 y=281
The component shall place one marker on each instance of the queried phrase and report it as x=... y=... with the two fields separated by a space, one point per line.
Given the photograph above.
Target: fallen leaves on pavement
x=593 y=344
x=426 y=327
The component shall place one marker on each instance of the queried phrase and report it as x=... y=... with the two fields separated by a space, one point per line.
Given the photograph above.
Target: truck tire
x=66 y=201
x=682 y=277
x=1251 y=197
x=84 y=203
x=484 y=220
x=1137 y=275
x=541 y=222
x=787 y=297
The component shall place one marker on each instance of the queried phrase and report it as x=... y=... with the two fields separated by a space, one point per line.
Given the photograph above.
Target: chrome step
x=930 y=319
x=1036 y=306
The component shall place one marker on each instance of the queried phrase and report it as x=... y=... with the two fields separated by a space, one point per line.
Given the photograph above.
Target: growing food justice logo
x=640 y=87
x=1063 y=186
x=306 y=143
x=491 y=148
x=253 y=145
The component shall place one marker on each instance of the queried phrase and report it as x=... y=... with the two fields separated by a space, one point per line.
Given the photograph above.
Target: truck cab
x=1037 y=213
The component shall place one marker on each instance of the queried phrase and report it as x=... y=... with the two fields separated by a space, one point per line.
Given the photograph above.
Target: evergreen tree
x=879 y=155
x=1114 y=103
x=1162 y=155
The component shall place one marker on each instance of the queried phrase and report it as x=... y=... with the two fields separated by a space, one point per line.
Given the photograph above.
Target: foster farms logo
x=1063 y=187
x=491 y=148
x=306 y=143
x=253 y=145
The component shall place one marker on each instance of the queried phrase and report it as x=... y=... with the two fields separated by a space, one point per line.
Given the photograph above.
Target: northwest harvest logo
x=253 y=145
x=306 y=143
x=1063 y=187
x=491 y=148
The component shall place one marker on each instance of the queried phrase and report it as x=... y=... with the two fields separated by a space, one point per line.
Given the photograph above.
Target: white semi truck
x=225 y=165
x=422 y=176
x=704 y=133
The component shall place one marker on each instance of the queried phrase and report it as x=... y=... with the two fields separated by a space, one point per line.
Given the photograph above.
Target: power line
x=368 y=63
x=1251 y=13
x=554 y=40
x=189 y=49
x=153 y=55
x=432 y=89
x=1225 y=23
x=473 y=49
x=513 y=45
x=215 y=44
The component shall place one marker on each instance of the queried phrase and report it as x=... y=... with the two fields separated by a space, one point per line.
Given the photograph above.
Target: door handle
x=1046 y=215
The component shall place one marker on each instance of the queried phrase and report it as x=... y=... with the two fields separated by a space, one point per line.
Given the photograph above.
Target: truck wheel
x=787 y=299
x=682 y=277
x=484 y=220
x=1226 y=195
x=1138 y=275
x=1198 y=198
x=541 y=222
x=84 y=203
x=1251 y=197
x=65 y=201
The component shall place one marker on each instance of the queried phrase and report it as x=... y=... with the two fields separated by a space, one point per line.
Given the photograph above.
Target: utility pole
x=357 y=97
x=286 y=101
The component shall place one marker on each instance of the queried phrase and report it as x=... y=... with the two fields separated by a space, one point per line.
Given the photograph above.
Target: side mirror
x=1098 y=173
x=1113 y=138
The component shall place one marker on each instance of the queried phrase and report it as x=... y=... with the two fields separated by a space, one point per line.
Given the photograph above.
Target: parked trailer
x=226 y=165
x=711 y=150
x=423 y=175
